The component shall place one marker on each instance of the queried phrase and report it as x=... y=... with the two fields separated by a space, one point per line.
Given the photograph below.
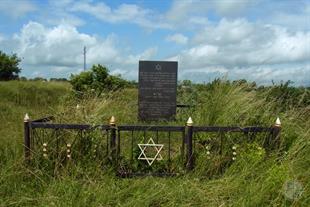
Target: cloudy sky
x=259 y=40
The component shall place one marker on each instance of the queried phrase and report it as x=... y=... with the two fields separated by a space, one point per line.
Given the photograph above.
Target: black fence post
x=113 y=138
x=27 y=146
x=276 y=132
x=189 y=138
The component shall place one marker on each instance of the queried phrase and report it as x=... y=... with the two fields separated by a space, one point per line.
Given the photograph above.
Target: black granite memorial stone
x=157 y=90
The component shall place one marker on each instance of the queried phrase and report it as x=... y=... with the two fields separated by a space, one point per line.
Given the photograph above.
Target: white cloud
x=61 y=45
x=232 y=7
x=296 y=21
x=245 y=49
x=177 y=38
x=242 y=43
x=263 y=74
x=145 y=55
x=123 y=13
x=60 y=49
x=196 y=20
x=181 y=9
x=1 y=38
x=16 y=9
x=238 y=46
x=226 y=32
x=61 y=17
x=60 y=3
x=59 y=69
x=57 y=12
x=37 y=74
x=195 y=12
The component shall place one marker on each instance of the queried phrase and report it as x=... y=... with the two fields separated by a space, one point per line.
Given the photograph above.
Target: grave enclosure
x=133 y=150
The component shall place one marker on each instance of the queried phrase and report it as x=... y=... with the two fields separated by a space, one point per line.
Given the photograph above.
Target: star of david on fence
x=157 y=147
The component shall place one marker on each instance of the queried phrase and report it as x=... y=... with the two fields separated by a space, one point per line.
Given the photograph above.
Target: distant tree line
x=42 y=79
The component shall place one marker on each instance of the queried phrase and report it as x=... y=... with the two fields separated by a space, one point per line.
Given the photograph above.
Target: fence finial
x=112 y=120
x=189 y=122
x=278 y=122
x=26 y=118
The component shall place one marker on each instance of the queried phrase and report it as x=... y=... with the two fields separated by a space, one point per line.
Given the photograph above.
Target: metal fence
x=141 y=149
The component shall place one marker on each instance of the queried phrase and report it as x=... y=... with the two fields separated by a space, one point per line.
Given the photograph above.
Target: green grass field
x=280 y=179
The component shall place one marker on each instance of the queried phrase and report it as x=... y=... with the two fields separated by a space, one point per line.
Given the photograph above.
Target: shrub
x=97 y=79
x=9 y=68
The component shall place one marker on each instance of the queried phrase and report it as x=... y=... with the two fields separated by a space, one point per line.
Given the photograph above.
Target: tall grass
x=255 y=179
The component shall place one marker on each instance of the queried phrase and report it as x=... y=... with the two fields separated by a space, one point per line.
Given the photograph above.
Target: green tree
x=9 y=68
x=59 y=79
x=97 y=79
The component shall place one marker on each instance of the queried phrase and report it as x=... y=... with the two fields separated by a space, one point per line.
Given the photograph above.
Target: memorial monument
x=157 y=90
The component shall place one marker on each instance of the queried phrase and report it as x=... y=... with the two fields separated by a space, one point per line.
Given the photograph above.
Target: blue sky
x=258 y=40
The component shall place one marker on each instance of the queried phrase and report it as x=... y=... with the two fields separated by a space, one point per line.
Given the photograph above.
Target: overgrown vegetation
x=98 y=80
x=255 y=179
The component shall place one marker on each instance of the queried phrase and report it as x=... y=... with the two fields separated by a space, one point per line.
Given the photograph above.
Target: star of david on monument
x=157 y=147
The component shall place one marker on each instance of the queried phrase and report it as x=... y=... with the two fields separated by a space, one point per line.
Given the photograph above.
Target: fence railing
x=129 y=143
